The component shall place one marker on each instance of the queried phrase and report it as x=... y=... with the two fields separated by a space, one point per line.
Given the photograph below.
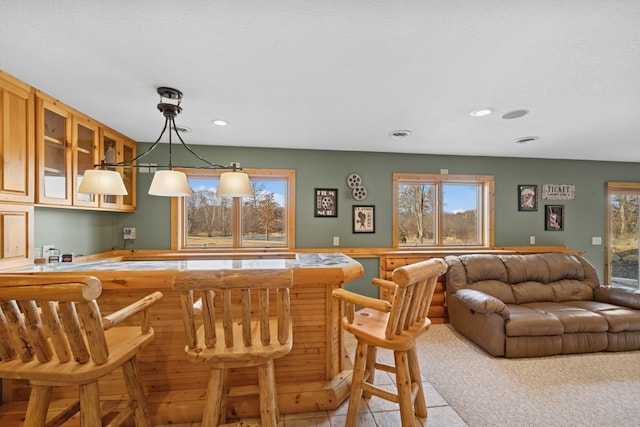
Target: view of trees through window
x=623 y=232
x=436 y=212
x=213 y=221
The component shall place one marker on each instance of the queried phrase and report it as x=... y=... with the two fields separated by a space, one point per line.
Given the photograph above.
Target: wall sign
x=326 y=202
x=558 y=191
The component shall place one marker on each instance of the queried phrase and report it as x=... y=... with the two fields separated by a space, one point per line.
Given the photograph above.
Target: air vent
x=526 y=139
x=515 y=114
x=400 y=133
x=182 y=129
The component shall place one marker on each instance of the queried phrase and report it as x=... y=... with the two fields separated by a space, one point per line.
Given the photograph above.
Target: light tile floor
x=375 y=412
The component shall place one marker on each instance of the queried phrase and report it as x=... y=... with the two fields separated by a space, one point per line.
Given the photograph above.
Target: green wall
x=88 y=232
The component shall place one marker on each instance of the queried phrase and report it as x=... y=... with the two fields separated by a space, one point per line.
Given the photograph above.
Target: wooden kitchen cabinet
x=17 y=143
x=70 y=143
x=16 y=234
x=53 y=139
x=85 y=157
x=117 y=148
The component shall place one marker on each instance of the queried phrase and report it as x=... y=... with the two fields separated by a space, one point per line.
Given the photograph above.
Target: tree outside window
x=207 y=221
x=442 y=210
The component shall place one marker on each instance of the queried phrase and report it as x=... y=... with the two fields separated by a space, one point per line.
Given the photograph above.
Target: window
x=623 y=215
x=442 y=210
x=206 y=221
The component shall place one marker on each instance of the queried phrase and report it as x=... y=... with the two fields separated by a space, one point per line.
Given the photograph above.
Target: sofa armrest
x=618 y=296
x=482 y=303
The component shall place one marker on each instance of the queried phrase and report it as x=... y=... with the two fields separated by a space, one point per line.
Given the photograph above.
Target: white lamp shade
x=169 y=183
x=102 y=181
x=234 y=184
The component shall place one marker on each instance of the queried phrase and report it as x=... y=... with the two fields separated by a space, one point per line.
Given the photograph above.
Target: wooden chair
x=53 y=334
x=395 y=326
x=236 y=333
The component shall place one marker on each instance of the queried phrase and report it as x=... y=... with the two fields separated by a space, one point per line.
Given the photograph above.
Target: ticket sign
x=558 y=191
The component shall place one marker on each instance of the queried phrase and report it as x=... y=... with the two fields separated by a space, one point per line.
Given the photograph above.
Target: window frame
x=613 y=188
x=486 y=206
x=178 y=235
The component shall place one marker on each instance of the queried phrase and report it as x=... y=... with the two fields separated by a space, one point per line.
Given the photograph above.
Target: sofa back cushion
x=484 y=267
x=532 y=291
x=524 y=268
x=518 y=279
x=495 y=288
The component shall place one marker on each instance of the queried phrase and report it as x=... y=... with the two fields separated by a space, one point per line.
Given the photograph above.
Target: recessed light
x=219 y=122
x=400 y=133
x=525 y=139
x=515 y=114
x=481 y=112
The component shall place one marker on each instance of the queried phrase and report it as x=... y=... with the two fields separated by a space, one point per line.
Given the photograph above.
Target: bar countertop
x=296 y=261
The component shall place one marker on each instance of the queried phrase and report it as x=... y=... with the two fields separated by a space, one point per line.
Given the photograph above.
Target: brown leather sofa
x=539 y=305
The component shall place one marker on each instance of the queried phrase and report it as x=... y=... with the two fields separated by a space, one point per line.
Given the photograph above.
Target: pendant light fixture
x=166 y=182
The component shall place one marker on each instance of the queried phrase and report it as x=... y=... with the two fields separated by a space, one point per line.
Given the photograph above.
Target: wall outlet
x=532 y=240
x=129 y=233
x=336 y=241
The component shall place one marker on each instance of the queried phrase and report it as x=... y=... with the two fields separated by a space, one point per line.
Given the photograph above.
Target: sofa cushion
x=563 y=266
x=525 y=292
x=525 y=321
x=483 y=267
x=571 y=290
x=456 y=276
x=618 y=296
x=496 y=289
x=619 y=318
x=574 y=319
x=525 y=268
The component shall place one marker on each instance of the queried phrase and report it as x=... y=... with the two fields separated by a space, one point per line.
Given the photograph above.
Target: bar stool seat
x=53 y=334
x=236 y=333
x=395 y=326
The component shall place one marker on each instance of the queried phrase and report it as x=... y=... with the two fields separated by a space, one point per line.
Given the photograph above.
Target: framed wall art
x=326 y=202
x=554 y=217
x=364 y=220
x=527 y=197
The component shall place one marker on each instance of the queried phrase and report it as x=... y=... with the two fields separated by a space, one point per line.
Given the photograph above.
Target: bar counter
x=314 y=376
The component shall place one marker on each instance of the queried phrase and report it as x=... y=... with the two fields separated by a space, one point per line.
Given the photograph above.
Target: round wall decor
x=358 y=191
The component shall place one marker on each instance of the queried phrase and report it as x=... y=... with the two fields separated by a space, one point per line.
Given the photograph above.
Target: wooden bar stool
x=395 y=326
x=237 y=333
x=52 y=333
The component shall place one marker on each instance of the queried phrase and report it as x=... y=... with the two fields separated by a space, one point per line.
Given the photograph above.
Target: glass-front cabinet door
x=54 y=153
x=110 y=152
x=70 y=143
x=129 y=176
x=85 y=157
x=117 y=148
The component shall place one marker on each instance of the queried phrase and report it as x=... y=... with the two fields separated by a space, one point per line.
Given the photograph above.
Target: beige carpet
x=598 y=389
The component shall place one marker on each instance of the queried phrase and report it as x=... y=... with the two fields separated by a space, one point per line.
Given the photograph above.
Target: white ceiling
x=343 y=74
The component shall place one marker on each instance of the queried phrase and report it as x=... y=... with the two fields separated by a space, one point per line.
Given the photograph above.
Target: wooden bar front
x=314 y=376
